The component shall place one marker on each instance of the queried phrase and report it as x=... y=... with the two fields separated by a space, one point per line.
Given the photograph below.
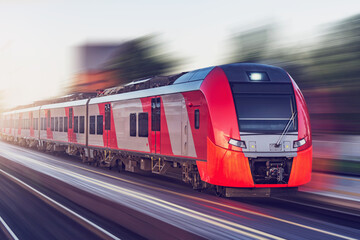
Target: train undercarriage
x=264 y=170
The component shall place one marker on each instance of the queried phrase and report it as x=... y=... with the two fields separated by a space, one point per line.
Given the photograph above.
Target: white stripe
x=62 y=206
x=8 y=229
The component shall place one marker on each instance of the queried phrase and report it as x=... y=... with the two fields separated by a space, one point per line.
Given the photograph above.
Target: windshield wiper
x=286 y=129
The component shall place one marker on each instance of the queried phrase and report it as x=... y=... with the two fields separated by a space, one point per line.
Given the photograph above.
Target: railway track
x=198 y=214
x=6 y=231
x=86 y=223
x=333 y=209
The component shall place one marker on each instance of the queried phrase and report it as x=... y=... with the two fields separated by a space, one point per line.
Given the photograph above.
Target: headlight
x=237 y=143
x=299 y=143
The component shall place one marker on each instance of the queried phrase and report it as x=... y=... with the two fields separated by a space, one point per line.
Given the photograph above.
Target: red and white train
x=240 y=128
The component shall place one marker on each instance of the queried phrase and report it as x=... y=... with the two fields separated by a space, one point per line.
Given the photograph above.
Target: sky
x=37 y=37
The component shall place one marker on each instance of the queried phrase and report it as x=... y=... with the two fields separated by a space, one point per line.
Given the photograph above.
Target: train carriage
x=241 y=128
x=22 y=125
x=63 y=126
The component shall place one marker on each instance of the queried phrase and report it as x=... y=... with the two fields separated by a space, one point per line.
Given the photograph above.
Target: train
x=242 y=129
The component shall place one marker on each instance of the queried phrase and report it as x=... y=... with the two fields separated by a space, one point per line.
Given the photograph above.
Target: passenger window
x=76 y=124
x=56 y=124
x=82 y=124
x=99 y=125
x=107 y=116
x=66 y=124
x=133 y=124
x=61 y=124
x=92 y=125
x=143 y=125
x=52 y=124
x=70 y=117
x=197 y=119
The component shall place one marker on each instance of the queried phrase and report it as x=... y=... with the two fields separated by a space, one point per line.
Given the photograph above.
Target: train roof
x=191 y=81
x=238 y=72
x=22 y=110
x=76 y=103
x=183 y=82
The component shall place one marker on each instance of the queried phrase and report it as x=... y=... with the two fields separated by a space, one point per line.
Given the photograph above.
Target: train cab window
x=133 y=124
x=155 y=114
x=56 y=124
x=36 y=124
x=107 y=116
x=82 y=124
x=66 y=124
x=61 y=124
x=197 y=119
x=143 y=125
x=265 y=113
x=70 y=117
x=99 y=127
x=76 y=124
x=41 y=123
x=92 y=125
x=52 y=124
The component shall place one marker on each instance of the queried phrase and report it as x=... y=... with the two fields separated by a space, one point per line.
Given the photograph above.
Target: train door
x=155 y=124
x=71 y=135
x=107 y=127
x=184 y=129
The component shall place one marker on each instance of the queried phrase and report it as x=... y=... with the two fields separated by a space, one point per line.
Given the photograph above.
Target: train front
x=260 y=137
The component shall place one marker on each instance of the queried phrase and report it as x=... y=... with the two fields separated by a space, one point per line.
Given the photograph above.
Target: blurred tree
x=336 y=60
x=334 y=68
x=252 y=45
x=328 y=72
x=139 y=58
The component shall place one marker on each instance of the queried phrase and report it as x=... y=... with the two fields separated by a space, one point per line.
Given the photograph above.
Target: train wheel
x=120 y=167
x=220 y=191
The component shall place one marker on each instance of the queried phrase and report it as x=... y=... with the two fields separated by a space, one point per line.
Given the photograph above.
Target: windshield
x=265 y=112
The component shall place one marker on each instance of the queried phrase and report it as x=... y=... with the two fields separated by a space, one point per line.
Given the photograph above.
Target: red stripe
x=49 y=133
x=165 y=136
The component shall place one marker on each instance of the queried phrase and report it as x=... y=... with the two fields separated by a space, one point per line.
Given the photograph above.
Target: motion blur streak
x=145 y=197
x=28 y=187
x=8 y=229
x=159 y=202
